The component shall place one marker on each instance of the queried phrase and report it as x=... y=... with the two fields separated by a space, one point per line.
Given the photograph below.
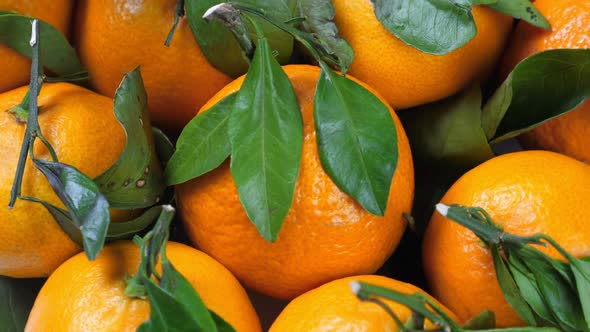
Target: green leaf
x=266 y=136
x=541 y=87
x=529 y=290
x=557 y=293
x=220 y=47
x=581 y=270
x=319 y=21
x=166 y=314
x=522 y=9
x=509 y=287
x=175 y=306
x=484 y=320
x=135 y=180
x=448 y=133
x=116 y=230
x=86 y=205
x=357 y=140
x=16 y=300
x=203 y=144
x=64 y=220
x=523 y=329
x=222 y=324
x=164 y=146
x=56 y=54
x=128 y=229
x=431 y=26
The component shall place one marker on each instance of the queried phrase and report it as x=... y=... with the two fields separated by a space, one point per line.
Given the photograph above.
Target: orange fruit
x=326 y=234
x=407 y=77
x=570 y=28
x=334 y=307
x=90 y=296
x=113 y=37
x=526 y=193
x=83 y=130
x=15 y=67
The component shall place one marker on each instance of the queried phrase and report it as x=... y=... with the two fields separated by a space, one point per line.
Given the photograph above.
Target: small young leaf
x=449 y=132
x=319 y=21
x=135 y=180
x=509 y=287
x=16 y=300
x=435 y=27
x=357 y=140
x=521 y=9
x=541 y=87
x=203 y=144
x=56 y=54
x=266 y=136
x=86 y=205
x=221 y=48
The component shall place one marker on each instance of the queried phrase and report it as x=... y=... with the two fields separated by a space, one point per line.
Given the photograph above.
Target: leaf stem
x=479 y=222
x=298 y=35
x=32 y=130
x=178 y=13
x=415 y=302
x=229 y=16
x=150 y=247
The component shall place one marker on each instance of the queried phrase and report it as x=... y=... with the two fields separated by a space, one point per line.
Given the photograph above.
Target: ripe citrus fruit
x=83 y=130
x=15 y=67
x=525 y=192
x=326 y=234
x=90 y=296
x=114 y=36
x=570 y=28
x=334 y=307
x=407 y=77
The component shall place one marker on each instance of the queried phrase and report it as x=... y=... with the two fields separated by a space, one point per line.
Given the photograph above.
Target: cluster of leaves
x=542 y=290
x=425 y=309
x=260 y=128
x=133 y=182
x=417 y=22
x=175 y=305
x=453 y=135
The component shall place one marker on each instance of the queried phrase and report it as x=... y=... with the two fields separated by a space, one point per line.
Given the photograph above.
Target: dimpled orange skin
x=115 y=36
x=525 y=192
x=16 y=68
x=334 y=307
x=90 y=296
x=407 y=77
x=570 y=28
x=83 y=130
x=326 y=234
